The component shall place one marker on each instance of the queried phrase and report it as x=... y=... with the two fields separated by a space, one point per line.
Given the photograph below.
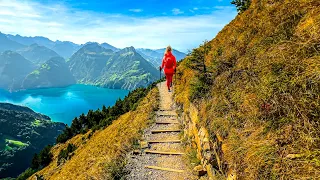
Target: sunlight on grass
x=15 y=143
x=36 y=123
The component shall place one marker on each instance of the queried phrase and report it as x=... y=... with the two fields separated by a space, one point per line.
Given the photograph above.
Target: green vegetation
x=203 y=80
x=16 y=143
x=241 y=5
x=116 y=70
x=102 y=118
x=192 y=156
x=23 y=133
x=36 y=123
x=42 y=159
x=27 y=173
x=94 y=120
x=116 y=169
x=8 y=148
x=35 y=72
x=66 y=154
x=45 y=66
x=38 y=162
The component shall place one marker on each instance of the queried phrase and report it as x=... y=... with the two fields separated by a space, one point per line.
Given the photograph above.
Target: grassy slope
x=92 y=155
x=264 y=99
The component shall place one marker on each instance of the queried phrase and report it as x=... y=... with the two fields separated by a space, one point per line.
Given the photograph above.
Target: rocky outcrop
x=208 y=146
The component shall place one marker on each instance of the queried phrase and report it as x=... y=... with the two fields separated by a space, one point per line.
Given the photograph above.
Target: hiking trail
x=162 y=154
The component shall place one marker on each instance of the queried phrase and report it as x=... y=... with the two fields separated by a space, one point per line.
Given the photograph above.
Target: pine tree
x=241 y=5
x=35 y=162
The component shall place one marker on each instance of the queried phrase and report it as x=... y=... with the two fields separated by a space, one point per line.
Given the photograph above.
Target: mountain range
x=38 y=62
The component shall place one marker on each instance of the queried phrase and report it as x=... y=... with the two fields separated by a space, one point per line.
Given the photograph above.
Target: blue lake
x=63 y=104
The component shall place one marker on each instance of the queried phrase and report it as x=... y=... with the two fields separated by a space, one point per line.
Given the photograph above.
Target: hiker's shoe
x=169 y=90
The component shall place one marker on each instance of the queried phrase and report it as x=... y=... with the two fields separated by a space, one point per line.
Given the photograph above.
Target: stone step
x=163 y=152
x=166 y=115
x=164 y=169
x=166 y=110
x=167 y=122
x=164 y=141
x=165 y=130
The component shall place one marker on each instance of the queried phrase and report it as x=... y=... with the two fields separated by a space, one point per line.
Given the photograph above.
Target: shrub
x=241 y=5
x=66 y=154
x=43 y=159
x=26 y=174
x=115 y=169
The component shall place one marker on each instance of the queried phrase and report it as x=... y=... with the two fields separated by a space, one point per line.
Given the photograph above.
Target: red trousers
x=169 y=79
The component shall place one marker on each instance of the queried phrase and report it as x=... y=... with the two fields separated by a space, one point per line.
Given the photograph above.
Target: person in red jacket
x=169 y=64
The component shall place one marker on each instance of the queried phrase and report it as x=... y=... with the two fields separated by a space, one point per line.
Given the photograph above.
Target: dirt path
x=139 y=164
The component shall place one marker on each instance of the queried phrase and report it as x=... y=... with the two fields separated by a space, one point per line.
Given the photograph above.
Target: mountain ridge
x=13 y=69
x=37 y=54
x=111 y=69
x=52 y=73
x=40 y=49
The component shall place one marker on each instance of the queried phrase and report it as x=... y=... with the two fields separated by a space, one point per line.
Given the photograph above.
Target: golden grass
x=265 y=105
x=92 y=155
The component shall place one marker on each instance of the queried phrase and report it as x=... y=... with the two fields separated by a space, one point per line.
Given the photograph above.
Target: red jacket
x=169 y=63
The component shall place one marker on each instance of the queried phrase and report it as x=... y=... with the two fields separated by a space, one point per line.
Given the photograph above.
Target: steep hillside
x=255 y=88
x=100 y=154
x=124 y=69
x=23 y=133
x=127 y=69
x=53 y=73
x=86 y=65
x=37 y=54
x=8 y=44
x=13 y=69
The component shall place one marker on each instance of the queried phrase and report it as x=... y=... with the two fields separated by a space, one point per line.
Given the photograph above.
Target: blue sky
x=184 y=24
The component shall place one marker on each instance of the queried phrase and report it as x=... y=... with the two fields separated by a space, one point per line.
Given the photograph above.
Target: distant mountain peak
x=91 y=45
x=128 y=49
x=93 y=48
x=108 y=46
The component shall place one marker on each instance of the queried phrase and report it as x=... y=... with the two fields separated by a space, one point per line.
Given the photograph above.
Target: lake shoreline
x=63 y=104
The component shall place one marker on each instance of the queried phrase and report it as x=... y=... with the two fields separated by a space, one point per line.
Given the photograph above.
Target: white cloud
x=58 y=22
x=177 y=11
x=136 y=10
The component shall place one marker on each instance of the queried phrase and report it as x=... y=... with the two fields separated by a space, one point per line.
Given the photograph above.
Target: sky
x=153 y=24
